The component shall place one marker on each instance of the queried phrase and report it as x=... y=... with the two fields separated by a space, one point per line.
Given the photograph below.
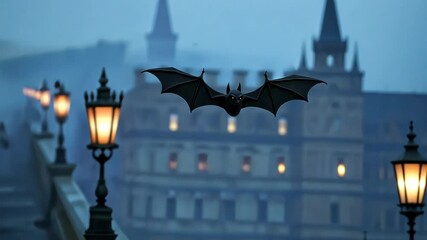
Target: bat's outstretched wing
x=273 y=93
x=193 y=89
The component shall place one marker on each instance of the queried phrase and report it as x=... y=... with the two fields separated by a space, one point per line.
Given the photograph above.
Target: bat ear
x=228 y=88
x=239 y=88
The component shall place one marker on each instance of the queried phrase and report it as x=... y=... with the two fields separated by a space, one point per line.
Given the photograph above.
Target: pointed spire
x=330 y=31
x=162 y=24
x=303 y=61
x=103 y=79
x=355 y=67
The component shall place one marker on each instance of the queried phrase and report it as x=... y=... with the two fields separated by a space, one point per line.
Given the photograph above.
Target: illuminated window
x=231 y=126
x=283 y=127
x=246 y=164
x=341 y=168
x=281 y=167
x=173 y=122
x=202 y=164
x=173 y=161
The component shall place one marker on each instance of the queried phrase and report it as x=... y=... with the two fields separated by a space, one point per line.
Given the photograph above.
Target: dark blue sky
x=255 y=34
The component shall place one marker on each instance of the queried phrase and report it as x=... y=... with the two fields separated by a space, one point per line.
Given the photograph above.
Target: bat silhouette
x=270 y=96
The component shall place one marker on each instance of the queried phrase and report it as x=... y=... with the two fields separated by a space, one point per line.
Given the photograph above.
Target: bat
x=270 y=96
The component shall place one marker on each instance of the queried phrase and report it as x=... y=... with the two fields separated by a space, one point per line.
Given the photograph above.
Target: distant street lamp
x=44 y=102
x=411 y=175
x=103 y=115
x=61 y=104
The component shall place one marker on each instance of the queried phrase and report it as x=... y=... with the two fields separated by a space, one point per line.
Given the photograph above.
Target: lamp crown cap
x=103 y=79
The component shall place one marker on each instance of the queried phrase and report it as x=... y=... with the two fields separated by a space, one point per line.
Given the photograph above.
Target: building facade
x=206 y=175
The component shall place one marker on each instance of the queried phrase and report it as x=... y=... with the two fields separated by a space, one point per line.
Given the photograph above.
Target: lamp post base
x=411 y=215
x=100 y=224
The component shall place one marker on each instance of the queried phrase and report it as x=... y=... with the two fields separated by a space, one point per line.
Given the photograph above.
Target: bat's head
x=234 y=97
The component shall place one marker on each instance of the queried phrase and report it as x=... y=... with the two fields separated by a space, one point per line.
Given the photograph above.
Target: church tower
x=330 y=48
x=332 y=132
x=161 y=42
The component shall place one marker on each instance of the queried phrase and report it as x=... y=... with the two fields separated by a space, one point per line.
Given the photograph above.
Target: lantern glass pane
x=45 y=98
x=412 y=183
x=423 y=179
x=62 y=105
x=103 y=119
x=115 y=124
x=398 y=169
x=91 y=119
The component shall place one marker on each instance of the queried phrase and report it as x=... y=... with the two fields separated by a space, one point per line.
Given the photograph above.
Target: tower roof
x=162 y=24
x=330 y=31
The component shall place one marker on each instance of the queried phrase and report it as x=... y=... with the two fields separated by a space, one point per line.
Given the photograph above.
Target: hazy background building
x=204 y=175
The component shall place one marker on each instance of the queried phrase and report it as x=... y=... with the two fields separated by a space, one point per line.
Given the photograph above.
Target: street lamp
x=61 y=104
x=411 y=174
x=44 y=102
x=103 y=115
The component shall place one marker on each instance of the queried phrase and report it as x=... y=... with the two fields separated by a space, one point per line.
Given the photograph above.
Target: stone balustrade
x=66 y=208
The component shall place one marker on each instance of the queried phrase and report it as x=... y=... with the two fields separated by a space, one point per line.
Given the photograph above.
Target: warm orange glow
x=281 y=167
x=45 y=98
x=231 y=126
x=202 y=166
x=411 y=182
x=29 y=92
x=92 y=127
x=283 y=127
x=173 y=163
x=61 y=104
x=103 y=120
x=423 y=178
x=341 y=169
x=115 y=124
x=173 y=122
x=246 y=165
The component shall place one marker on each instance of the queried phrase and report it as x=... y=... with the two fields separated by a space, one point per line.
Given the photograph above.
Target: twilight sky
x=254 y=34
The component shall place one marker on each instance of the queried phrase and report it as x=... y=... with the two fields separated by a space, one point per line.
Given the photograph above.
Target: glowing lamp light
x=411 y=174
x=202 y=164
x=341 y=168
x=173 y=122
x=246 y=165
x=283 y=127
x=61 y=102
x=103 y=115
x=44 y=95
x=231 y=126
x=281 y=168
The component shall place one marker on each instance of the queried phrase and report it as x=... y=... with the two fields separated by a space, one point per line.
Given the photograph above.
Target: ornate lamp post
x=61 y=104
x=411 y=175
x=103 y=114
x=44 y=102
